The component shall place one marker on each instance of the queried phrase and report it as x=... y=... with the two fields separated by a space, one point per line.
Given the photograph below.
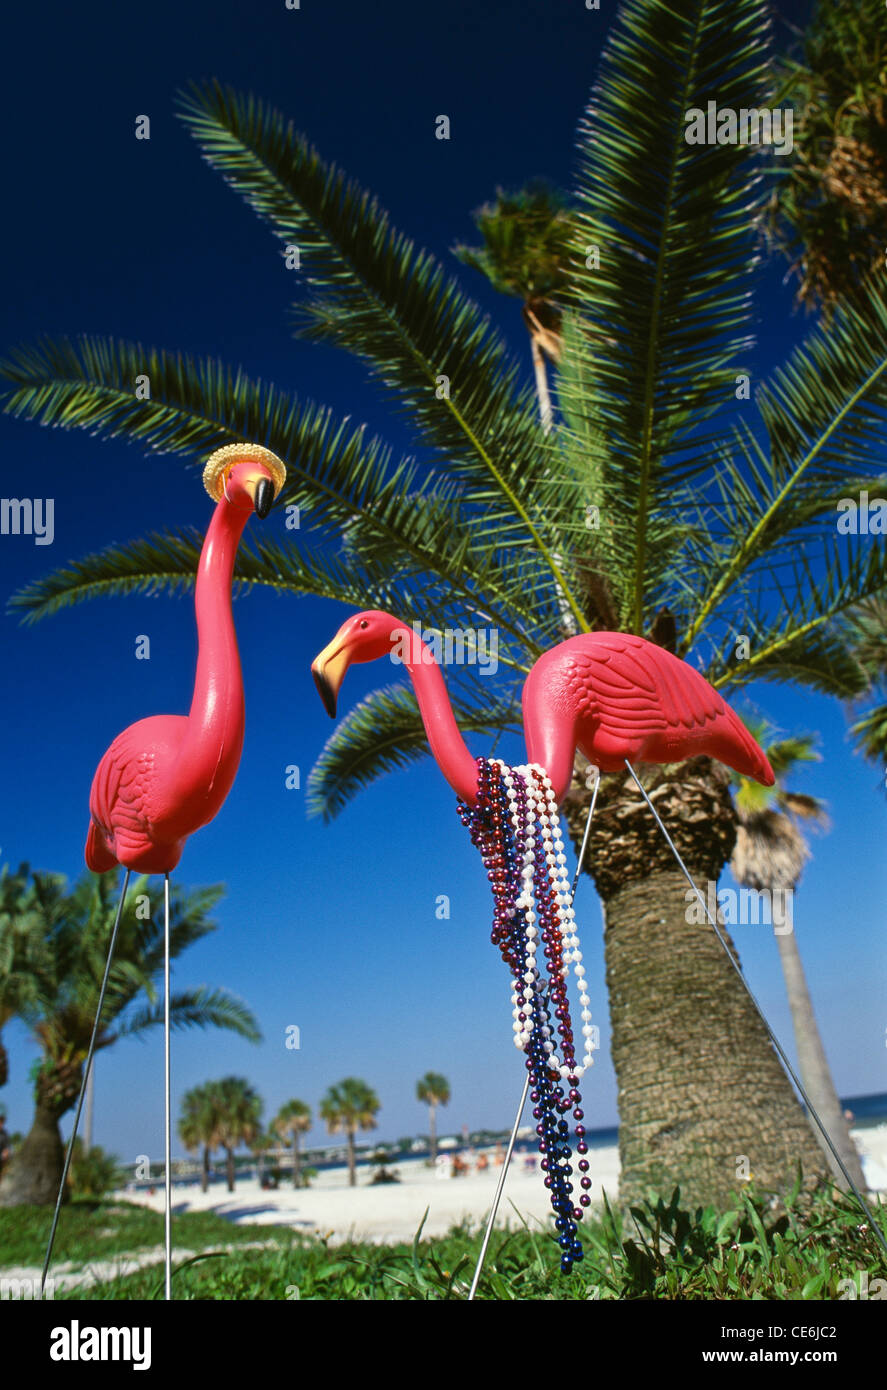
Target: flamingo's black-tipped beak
x=326 y=692
x=328 y=670
x=264 y=496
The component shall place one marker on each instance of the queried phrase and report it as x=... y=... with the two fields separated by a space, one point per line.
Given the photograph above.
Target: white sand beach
x=392 y=1212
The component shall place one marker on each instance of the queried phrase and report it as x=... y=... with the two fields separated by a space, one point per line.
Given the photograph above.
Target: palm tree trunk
x=542 y=392
x=88 y=1109
x=204 y=1173
x=229 y=1168
x=432 y=1125
x=703 y=1099
x=352 y=1175
x=813 y=1063
x=297 y=1176
x=35 y=1170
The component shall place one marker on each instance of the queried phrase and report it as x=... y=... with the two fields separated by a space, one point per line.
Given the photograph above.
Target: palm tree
x=829 y=211
x=24 y=963
x=434 y=1090
x=662 y=502
x=76 y=928
x=868 y=629
x=197 y=1126
x=294 y=1118
x=347 y=1107
x=526 y=253
x=262 y=1142
x=770 y=854
x=238 y=1111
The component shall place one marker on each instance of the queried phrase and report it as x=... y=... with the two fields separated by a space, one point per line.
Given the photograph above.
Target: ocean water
x=867 y=1110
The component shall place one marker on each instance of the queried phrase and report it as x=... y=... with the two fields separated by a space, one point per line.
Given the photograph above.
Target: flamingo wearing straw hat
x=166 y=776
x=609 y=694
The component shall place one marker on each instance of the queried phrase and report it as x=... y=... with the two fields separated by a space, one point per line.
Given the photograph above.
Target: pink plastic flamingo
x=609 y=694
x=615 y=697
x=166 y=776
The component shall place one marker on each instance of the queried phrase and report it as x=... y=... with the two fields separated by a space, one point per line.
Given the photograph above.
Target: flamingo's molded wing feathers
x=638 y=694
x=635 y=688
x=122 y=778
x=127 y=789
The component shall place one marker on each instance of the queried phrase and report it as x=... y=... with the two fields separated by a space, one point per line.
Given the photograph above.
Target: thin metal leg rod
x=86 y=1071
x=772 y=1036
x=166 y=1091
x=500 y=1185
x=581 y=860
x=523 y=1100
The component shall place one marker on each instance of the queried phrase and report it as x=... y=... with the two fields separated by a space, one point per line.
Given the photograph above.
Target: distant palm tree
x=262 y=1142
x=294 y=1118
x=197 y=1126
x=770 y=853
x=526 y=251
x=76 y=927
x=347 y=1107
x=24 y=962
x=829 y=208
x=434 y=1090
x=238 y=1112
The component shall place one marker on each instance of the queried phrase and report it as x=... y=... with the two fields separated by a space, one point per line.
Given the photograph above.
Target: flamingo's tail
x=746 y=754
x=98 y=857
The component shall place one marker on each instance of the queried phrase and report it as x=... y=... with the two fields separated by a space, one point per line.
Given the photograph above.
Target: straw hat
x=218 y=464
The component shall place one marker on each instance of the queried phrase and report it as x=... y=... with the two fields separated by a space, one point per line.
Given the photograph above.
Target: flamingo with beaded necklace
x=617 y=699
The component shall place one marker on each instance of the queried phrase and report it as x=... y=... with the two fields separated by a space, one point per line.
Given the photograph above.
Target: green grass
x=92 y=1230
x=661 y=1252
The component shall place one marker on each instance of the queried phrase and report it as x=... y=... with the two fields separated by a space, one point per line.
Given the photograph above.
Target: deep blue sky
x=330 y=928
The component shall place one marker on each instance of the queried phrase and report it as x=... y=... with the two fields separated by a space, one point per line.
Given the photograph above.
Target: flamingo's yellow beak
x=328 y=670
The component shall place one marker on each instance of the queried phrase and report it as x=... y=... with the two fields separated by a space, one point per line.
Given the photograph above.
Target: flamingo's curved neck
x=448 y=747
x=211 y=749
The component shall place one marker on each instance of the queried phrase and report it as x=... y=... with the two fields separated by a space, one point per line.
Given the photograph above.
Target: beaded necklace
x=515 y=825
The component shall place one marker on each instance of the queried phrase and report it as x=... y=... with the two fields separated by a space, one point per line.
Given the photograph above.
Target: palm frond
x=159 y=562
x=803 y=635
x=826 y=418
x=340 y=479
x=385 y=732
x=870 y=734
x=377 y=295
x=665 y=308
x=196 y=1008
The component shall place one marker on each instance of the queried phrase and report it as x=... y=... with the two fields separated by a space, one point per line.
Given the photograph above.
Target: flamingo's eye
x=364 y=624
